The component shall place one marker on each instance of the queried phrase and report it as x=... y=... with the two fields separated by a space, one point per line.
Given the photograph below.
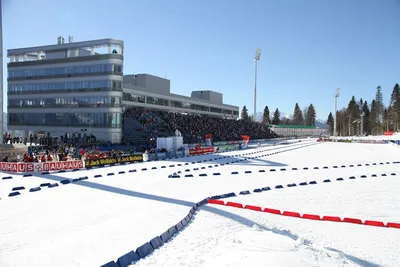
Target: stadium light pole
x=335 y=96
x=256 y=59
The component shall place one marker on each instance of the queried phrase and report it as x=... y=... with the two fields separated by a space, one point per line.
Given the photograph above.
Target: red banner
x=201 y=150
x=208 y=139
x=387 y=133
x=62 y=165
x=41 y=166
x=17 y=167
x=245 y=142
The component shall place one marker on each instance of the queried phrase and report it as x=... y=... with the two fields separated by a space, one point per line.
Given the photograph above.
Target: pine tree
x=366 y=118
x=379 y=105
x=394 y=109
x=266 y=116
x=373 y=115
x=310 y=116
x=277 y=117
x=352 y=115
x=330 y=121
x=297 y=115
x=245 y=113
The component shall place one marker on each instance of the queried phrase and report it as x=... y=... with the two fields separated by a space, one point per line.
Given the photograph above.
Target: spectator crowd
x=193 y=127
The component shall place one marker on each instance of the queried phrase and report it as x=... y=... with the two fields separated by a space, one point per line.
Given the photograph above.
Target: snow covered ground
x=91 y=222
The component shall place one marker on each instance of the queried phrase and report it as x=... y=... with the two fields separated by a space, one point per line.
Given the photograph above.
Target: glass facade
x=50 y=87
x=62 y=71
x=175 y=103
x=65 y=102
x=72 y=119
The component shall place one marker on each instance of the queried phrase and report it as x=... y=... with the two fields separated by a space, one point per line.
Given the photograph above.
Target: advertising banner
x=41 y=166
x=112 y=160
x=201 y=150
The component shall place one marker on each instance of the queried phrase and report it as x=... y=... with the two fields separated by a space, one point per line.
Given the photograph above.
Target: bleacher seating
x=140 y=125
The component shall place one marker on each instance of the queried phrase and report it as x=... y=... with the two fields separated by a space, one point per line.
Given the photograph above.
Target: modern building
x=73 y=88
x=78 y=88
x=148 y=91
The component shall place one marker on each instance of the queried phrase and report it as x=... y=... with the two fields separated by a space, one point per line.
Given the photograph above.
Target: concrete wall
x=149 y=83
x=213 y=97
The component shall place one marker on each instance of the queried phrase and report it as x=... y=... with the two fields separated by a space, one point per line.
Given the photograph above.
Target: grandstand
x=142 y=125
x=297 y=130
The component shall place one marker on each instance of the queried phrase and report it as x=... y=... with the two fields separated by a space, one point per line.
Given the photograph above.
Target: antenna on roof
x=70 y=39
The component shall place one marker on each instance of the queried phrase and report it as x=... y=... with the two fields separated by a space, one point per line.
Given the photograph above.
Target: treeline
x=361 y=117
x=307 y=116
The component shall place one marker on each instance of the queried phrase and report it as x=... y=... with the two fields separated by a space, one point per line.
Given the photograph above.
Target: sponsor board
x=40 y=166
x=112 y=160
x=201 y=150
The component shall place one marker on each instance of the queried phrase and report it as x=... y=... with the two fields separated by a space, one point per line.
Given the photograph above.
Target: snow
x=97 y=220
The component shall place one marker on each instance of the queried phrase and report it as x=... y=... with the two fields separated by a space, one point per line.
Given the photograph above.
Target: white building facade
x=67 y=88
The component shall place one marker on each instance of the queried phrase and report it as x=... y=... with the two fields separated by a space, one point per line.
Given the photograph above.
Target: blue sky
x=309 y=47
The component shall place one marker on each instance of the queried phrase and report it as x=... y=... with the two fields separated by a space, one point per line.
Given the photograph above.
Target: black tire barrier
x=216 y=165
x=45 y=173
x=227 y=163
x=75 y=170
x=327 y=181
x=210 y=166
x=179 y=172
x=171 y=165
x=294 y=169
x=203 y=174
x=366 y=164
x=373 y=163
x=303 y=183
x=202 y=168
x=352 y=177
x=339 y=179
x=196 y=169
x=232 y=194
x=44 y=184
x=326 y=167
x=179 y=164
x=110 y=264
x=257 y=190
x=145 y=250
x=313 y=182
x=373 y=175
x=222 y=164
x=154 y=168
x=199 y=161
x=165 y=237
x=175 y=176
x=392 y=174
x=121 y=172
x=383 y=174
x=305 y=168
x=279 y=186
x=27 y=175
x=163 y=167
x=53 y=185
x=316 y=168
x=35 y=189
x=13 y=194
x=75 y=180
x=335 y=167
x=65 y=181
x=291 y=185
x=187 y=170
x=18 y=188
x=60 y=171
x=283 y=169
x=128 y=259
x=110 y=174
x=266 y=188
x=186 y=163
x=381 y=163
x=6 y=178
x=247 y=172
x=144 y=169
x=261 y=171
x=188 y=175
x=132 y=170
x=272 y=170
x=193 y=162
x=97 y=176
x=351 y=166
x=343 y=166
x=363 y=176
x=156 y=242
x=83 y=178
x=387 y=162
x=216 y=173
x=246 y=192
x=359 y=165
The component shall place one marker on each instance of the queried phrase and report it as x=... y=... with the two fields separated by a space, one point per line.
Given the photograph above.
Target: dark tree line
x=361 y=117
x=305 y=117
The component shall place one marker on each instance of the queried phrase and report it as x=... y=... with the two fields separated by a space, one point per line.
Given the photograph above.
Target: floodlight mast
x=1 y=72
x=256 y=59
x=335 y=96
